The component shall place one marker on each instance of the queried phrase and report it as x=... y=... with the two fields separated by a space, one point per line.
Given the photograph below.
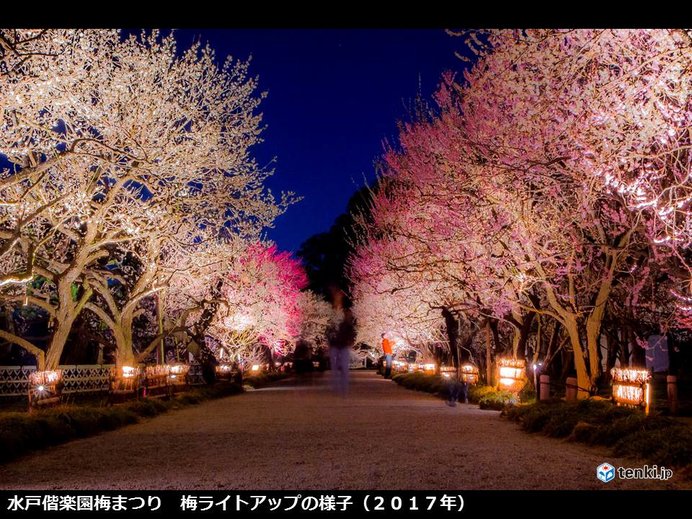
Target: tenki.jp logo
x=605 y=472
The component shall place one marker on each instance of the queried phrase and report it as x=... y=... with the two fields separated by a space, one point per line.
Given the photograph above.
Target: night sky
x=334 y=97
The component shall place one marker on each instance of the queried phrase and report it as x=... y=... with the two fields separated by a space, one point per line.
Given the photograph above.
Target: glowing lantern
x=429 y=368
x=128 y=371
x=469 y=374
x=632 y=387
x=224 y=371
x=400 y=366
x=156 y=376
x=45 y=387
x=125 y=379
x=447 y=371
x=255 y=368
x=511 y=374
x=177 y=373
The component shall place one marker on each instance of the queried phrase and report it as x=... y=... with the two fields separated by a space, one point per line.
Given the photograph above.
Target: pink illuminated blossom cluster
x=261 y=302
x=550 y=179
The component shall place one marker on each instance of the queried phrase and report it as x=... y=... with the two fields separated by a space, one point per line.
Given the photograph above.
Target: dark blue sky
x=334 y=96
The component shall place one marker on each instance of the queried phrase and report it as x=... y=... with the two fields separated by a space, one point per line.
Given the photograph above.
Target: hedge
x=658 y=439
x=21 y=433
x=486 y=397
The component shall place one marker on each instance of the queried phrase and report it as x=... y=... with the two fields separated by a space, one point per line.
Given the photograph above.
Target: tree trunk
x=613 y=347
x=584 y=380
x=638 y=356
x=204 y=355
x=593 y=329
x=34 y=350
x=159 y=315
x=488 y=354
x=623 y=345
x=452 y=328
x=67 y=311
x=124 y=352
x=58 y=340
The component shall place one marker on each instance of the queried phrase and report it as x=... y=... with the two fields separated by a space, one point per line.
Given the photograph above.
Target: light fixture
x=632 y=387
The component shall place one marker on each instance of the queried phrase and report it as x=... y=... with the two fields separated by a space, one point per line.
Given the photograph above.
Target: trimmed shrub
x=527 y=393
x=22 y=432
x=262 y=379
x=658 y=439
x=535 y=417
x=486 y=397
x=498 y=400
x=477 y=392
x=422 y=382
x=670 y=446
x=583 y=432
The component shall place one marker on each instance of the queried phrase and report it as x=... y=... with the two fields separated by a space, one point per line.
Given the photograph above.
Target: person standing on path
x=457 y=387
x=341 y=336
x=387 y=350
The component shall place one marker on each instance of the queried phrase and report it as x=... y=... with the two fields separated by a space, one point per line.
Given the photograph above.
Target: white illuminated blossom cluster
x=125 y=153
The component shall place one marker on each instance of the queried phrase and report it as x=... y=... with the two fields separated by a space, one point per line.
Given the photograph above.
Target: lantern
x=224 y=371
x=177 y=374
x=45 y=387
x=469 y=374
x=632 y=387
x=511 y=374
x=400 y=366
x=156 y=376
x=125 y=379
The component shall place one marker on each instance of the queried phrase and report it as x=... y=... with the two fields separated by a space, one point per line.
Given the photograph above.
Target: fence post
x=672 y=383
x=571 y=388
x=544 y=391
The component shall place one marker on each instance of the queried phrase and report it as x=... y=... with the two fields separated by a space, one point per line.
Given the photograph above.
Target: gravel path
x=296 y=435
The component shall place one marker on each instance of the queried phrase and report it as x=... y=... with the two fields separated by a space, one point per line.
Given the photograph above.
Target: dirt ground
x=297 y=435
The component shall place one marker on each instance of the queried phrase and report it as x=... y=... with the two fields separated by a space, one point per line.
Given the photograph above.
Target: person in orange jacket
x=387 y=350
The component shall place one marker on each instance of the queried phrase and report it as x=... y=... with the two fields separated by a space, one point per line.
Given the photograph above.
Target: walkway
x=296 y=435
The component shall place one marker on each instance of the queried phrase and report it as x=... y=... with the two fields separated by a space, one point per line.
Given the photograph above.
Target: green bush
x=84 y=420
x=422 y=382
x=485 y=396
x=115 y=418
x=535 y=419
x=187 y=399
x=658 y=439
x=23 y=432
x=146 y=407
x=670 y=446
x=262 y=379
x=527 y=393
x=583 y=432
x=498 y=400
x=477 y=392
x=610 y=433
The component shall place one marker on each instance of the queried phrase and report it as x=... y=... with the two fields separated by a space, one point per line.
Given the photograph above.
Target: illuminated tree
x=117 y=143
x=261 y=303
x=599 y=121
x=315 y=314
x=536 y=184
